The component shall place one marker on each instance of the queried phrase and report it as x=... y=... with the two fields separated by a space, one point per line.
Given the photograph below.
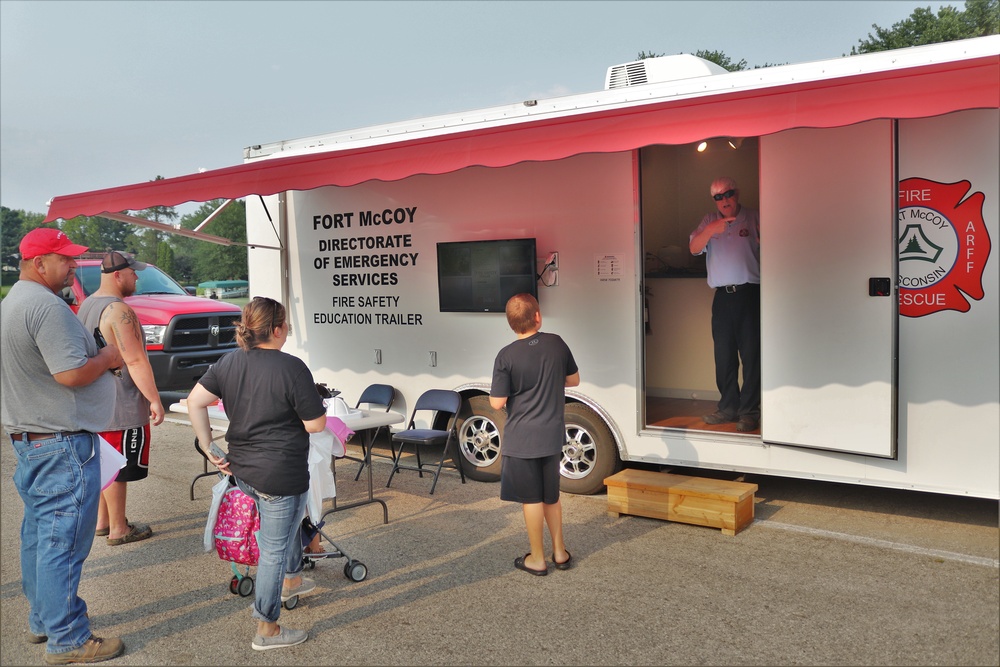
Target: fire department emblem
x=943 y=246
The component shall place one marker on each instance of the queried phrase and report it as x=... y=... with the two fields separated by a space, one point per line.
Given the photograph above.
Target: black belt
x=44 y=436
x=730 y=289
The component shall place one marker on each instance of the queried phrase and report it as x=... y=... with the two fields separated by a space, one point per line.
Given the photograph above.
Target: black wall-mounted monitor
x=480 y=276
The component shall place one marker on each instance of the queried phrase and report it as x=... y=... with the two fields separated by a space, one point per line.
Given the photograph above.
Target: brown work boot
x=95 y=649
x=718 y=417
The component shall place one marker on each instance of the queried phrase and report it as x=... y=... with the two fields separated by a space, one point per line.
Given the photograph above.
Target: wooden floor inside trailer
x=686 y=413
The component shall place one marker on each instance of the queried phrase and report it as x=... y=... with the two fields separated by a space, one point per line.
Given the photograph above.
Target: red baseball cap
x=45 y=240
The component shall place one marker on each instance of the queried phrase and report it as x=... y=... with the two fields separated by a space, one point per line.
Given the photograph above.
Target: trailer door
x=828 y=335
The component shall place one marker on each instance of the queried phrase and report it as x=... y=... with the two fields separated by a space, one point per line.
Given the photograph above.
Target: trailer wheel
x=479 y=433
x=589 y=454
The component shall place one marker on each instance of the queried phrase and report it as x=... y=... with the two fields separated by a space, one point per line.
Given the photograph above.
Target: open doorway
x=679 y=367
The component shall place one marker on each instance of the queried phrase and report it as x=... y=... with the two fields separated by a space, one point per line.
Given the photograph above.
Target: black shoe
x=519 y=564
x=747 y=424
x=718 y=417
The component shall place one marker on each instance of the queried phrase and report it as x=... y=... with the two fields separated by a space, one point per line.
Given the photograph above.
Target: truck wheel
x=589 y=454
x=479 y=432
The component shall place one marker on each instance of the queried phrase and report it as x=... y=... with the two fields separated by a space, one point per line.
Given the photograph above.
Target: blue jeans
x=59 y=480
x=280 y=545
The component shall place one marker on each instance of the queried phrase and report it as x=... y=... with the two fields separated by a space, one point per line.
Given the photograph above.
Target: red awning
x=908 y=93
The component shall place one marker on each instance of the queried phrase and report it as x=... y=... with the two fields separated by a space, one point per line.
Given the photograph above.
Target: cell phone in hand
x=101 y=343
x=217 y=451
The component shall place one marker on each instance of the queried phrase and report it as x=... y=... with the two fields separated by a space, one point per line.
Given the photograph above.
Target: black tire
x=480 y=431
x=291 y=603
x=245 y=587
x=234 y=584
x=589 y=455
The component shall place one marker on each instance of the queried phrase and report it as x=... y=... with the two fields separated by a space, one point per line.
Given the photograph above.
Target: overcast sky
x=103 y=94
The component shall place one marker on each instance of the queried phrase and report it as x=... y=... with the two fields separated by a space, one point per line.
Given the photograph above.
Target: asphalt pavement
x=828 y=574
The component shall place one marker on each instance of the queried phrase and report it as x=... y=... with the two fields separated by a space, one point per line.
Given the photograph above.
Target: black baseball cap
x=116 y=261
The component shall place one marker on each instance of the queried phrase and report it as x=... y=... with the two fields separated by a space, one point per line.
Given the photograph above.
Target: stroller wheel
x=245 y=587
x=234 y=585
x=309 y=563
x=355 y=570
x=291 y=603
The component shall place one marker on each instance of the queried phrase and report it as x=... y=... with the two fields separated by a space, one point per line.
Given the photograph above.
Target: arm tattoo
x=129 y=321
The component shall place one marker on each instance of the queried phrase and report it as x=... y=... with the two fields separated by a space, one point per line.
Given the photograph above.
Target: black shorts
x=529 y=481
x=133 y=443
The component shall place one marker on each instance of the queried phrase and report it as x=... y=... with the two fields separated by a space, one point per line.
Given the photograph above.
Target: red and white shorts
x=133 y=443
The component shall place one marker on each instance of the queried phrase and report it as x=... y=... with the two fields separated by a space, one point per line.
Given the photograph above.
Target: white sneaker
x=285 y=637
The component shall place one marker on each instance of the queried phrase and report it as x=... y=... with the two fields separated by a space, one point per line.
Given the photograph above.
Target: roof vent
x=659 y=70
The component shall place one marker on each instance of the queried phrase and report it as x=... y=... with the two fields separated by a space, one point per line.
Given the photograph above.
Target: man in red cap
x=55 y=396
x=137 y=402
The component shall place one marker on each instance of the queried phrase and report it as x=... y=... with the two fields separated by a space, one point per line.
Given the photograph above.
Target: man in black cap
x=54 y=389
x=137 y=400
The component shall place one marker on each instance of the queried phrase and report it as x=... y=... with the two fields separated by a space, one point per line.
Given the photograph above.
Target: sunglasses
x=728 y=194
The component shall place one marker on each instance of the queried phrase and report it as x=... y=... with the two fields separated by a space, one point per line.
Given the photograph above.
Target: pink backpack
x=236 y=528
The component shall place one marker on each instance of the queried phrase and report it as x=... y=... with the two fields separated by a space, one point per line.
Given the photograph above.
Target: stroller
x=232 y=526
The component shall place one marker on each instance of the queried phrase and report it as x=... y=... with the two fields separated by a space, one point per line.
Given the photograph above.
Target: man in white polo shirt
x=731 y=238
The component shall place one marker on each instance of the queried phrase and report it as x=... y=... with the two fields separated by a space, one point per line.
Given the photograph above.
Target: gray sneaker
x=285 y=637
x=307 y=586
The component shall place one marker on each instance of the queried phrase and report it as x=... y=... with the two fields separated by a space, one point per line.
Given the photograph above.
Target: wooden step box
x=715 y=503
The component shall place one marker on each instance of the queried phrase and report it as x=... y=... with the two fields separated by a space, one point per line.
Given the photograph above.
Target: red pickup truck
x=185 y=334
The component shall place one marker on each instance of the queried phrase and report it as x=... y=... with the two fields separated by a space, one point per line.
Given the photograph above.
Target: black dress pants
x=736 y=334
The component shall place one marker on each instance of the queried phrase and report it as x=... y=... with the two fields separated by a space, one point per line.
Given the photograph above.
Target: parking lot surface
x=828 y=574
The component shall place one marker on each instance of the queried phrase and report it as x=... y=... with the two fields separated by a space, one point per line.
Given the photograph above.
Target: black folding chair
x=444 y=405
x=374 y=396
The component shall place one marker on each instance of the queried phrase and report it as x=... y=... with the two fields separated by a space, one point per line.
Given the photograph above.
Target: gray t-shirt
x=131 y=407
x=40 y=336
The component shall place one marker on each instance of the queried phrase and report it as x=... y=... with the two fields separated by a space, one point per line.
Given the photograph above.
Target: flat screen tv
x=480 y=276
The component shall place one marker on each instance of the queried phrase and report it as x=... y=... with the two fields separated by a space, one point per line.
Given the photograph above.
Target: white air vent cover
x=657 y=70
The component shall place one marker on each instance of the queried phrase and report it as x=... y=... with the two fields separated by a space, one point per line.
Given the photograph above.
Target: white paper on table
x=111 y=462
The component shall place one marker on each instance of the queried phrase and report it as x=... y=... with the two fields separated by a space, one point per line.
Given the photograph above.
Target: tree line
x=979 y=18
x=187 y=260
x=191 y=261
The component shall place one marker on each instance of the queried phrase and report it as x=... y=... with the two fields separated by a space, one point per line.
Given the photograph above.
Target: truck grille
x=199 y=332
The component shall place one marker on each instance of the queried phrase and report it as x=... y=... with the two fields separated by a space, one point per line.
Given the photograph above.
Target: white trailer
x=877 y=181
